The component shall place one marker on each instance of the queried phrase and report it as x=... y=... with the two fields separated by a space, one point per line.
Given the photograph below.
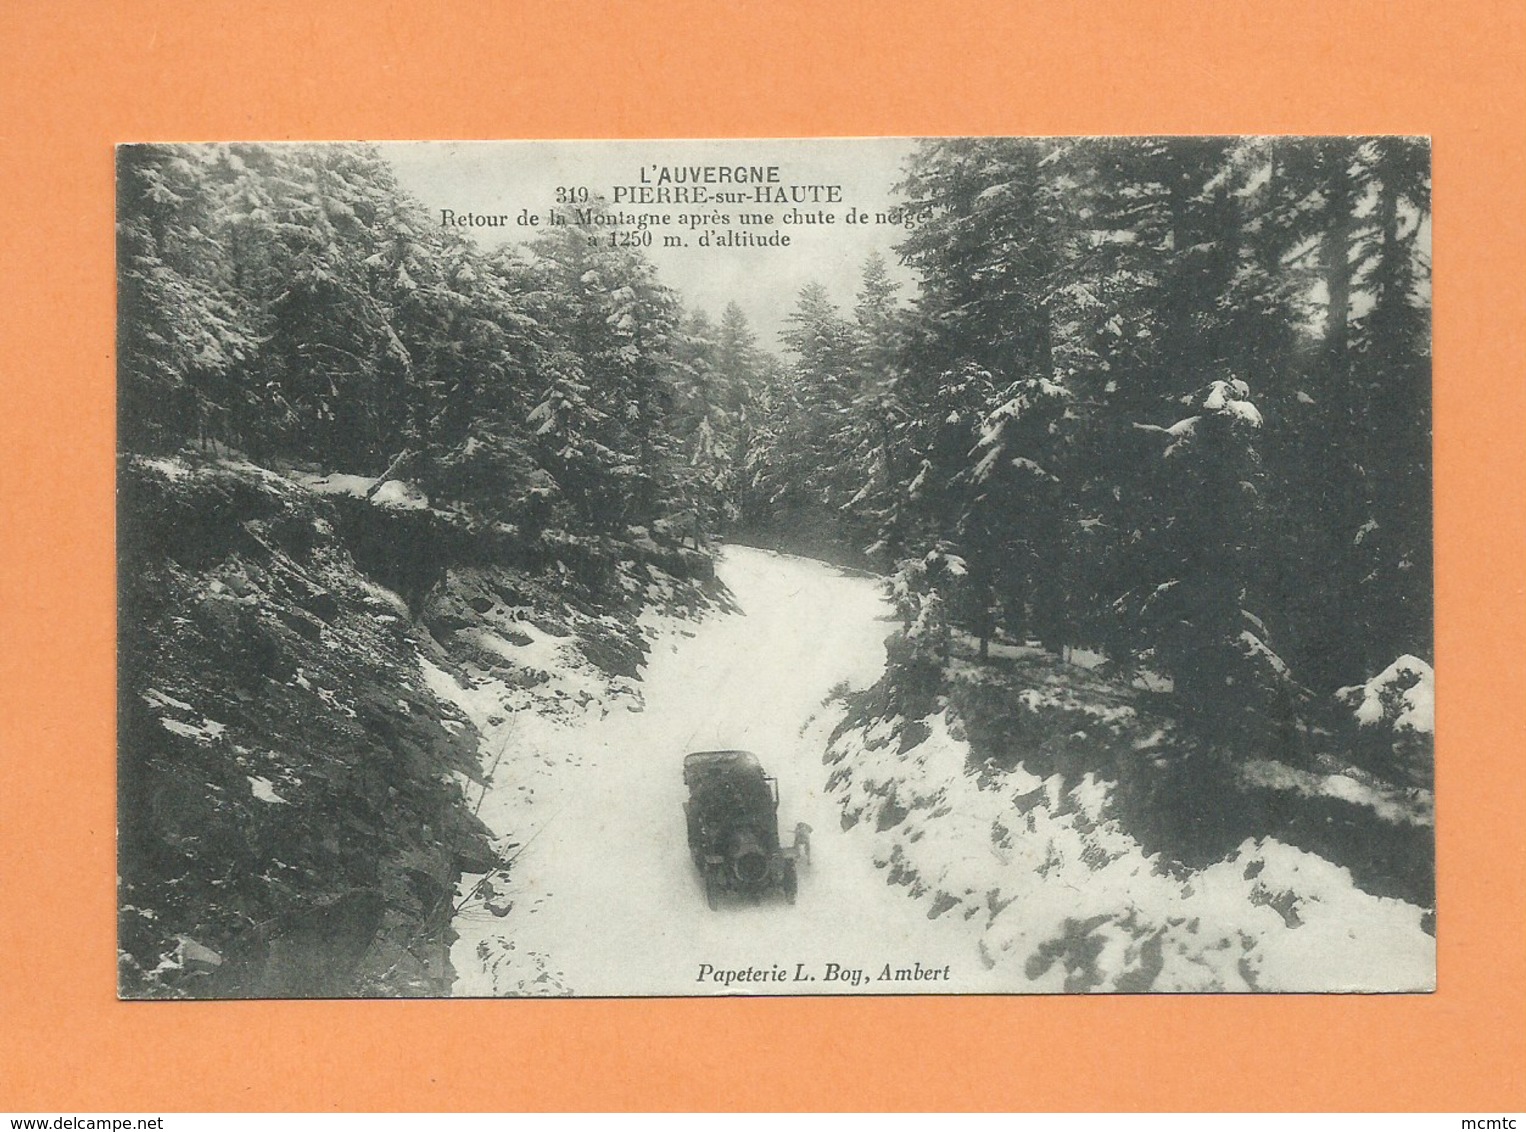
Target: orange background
x=77 y=77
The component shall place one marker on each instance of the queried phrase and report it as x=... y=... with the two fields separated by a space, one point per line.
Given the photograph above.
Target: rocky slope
x=293 y=794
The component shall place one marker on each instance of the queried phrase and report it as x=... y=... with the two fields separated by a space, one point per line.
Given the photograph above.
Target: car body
x=732 y=815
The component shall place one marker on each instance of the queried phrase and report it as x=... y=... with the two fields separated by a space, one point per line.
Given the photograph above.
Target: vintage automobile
x=733 y=818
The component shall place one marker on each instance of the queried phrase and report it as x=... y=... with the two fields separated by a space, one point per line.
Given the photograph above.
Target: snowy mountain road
x=607 y=901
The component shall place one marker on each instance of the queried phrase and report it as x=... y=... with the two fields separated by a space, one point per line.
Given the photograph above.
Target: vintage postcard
x=775 y=567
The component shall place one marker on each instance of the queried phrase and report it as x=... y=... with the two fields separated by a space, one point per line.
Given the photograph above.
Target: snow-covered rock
x=1402 y=696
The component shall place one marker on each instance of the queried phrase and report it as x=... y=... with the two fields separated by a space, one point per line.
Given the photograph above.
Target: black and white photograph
x=861 y=566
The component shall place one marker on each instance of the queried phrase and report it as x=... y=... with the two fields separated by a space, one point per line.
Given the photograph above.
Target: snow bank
x=168 y=466
x=1403 y=694
x=527 y=713
x=395 y=495
x=1063 y=899
x=1392 y=804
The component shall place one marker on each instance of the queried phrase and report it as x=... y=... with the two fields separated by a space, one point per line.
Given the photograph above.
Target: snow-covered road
x=604 y=900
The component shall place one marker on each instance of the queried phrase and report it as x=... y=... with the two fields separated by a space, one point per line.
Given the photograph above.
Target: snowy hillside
x=1062 y=898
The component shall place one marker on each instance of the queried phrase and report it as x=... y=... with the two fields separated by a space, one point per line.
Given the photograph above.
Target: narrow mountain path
x=604 y=900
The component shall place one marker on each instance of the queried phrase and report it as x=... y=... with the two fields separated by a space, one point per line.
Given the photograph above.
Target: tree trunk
x=392 y=469
x=1335 y=254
